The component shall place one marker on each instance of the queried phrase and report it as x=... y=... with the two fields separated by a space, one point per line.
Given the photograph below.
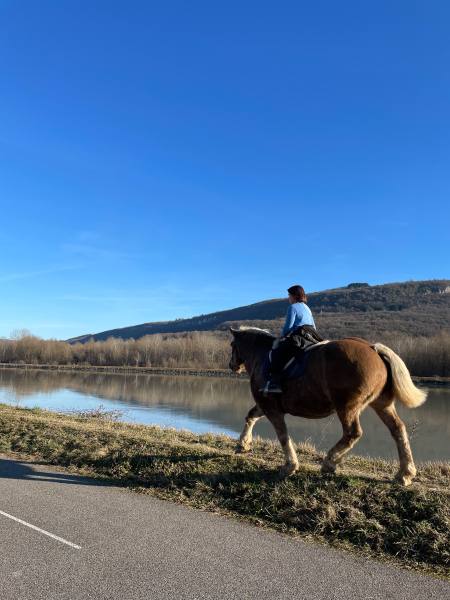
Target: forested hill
x=413 y=307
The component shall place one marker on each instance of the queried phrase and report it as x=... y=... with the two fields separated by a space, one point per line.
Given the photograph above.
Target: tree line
x=424 y=356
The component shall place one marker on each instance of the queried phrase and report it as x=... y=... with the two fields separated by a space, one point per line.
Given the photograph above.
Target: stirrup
x=271 y=388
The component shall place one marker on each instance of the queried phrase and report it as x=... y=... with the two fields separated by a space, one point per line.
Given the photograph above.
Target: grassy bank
x=358 y=509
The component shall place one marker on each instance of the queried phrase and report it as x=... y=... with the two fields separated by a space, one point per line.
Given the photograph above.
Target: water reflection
x=218 y=405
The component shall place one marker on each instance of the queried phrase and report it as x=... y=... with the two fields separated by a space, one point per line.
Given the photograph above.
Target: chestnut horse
x=343 y=376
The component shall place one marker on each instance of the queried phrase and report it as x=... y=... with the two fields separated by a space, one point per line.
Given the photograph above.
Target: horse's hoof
x=328 y=467
x=241 y=449
x=403 y=479
x=289 y=469
x=406 y=475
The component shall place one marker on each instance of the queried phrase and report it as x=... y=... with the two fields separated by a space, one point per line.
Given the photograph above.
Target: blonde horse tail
x=403 y=386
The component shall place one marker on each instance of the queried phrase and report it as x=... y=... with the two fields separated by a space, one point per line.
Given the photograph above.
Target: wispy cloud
x=158 y=303
x=37 y=273
x=168 y=294
x=101 y=299
x=90 y=251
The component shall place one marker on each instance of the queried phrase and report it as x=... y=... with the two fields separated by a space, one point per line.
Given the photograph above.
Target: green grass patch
x=359 y=508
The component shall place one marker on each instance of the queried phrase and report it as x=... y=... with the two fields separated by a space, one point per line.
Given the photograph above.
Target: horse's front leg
x=246 y=437
x=277 y=420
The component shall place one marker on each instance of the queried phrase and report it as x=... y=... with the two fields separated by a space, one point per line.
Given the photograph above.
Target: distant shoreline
x=190 y=371
x=175 y=371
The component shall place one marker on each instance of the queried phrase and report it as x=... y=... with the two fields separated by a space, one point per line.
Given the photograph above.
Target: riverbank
x=206 y=350
x=359 y=509
x=426 y=381
x=130 y=370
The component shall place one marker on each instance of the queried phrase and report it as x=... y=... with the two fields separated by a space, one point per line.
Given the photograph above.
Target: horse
x=341 y=376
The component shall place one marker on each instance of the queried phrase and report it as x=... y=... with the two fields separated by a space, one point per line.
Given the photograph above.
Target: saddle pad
x=296 y=367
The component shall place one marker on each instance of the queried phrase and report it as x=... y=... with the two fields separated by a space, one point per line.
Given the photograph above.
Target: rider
x=298 y=316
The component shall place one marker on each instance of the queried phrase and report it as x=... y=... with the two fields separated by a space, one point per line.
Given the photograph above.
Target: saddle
x=304 y=336
x=296 y=351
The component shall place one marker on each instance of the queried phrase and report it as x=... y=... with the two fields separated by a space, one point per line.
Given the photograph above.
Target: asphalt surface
x=132 y=546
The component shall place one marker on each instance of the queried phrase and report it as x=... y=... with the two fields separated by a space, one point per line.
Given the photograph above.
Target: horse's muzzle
x=237 y=368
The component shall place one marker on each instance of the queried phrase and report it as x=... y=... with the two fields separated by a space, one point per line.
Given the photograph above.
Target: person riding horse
x=299 y=330
x=343 y=377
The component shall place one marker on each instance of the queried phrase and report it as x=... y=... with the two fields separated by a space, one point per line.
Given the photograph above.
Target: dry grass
x=359 y=508
x=205 y=350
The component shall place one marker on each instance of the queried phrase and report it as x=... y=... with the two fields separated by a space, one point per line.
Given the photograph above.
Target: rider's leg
x=279 y=357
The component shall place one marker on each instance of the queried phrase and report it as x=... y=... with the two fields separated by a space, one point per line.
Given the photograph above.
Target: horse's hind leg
x=245 y=439
x=277 y=420
x=390 y=418
x=352 y=431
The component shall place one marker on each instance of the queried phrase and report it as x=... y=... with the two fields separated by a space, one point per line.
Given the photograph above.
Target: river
x=218 y=405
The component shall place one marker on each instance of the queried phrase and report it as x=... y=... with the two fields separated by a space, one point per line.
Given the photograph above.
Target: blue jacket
x=297 y=314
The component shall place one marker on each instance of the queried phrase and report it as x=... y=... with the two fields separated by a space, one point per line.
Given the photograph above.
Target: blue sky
x=166 y=159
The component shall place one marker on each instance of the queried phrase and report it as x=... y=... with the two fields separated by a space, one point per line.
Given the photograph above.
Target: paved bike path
x=111 y=543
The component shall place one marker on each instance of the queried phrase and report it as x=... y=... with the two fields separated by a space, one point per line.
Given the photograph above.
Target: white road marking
x=52 y=535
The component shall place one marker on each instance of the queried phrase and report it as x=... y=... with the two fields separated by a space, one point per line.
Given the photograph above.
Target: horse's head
x=236 y=361
x=248 y=344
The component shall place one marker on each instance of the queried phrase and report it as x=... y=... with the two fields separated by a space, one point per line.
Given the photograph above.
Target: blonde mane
x=255 y=330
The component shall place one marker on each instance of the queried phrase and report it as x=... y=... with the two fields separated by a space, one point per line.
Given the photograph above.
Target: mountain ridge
x=412 y=307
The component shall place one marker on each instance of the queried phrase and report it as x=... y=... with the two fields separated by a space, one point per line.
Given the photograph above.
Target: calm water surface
x=217 y=405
